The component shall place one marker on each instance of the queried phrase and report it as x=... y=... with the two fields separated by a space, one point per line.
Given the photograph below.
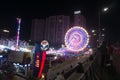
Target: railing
x=83 y=62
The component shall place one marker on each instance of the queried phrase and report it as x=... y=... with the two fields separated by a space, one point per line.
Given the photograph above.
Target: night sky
x=31 y=9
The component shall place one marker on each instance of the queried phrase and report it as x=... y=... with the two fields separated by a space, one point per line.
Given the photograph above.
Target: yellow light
x=43 y=76
x=37 y=63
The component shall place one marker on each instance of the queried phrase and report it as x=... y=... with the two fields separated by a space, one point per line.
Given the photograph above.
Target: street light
x=7 y=31
x=93 y=31
x=103 y=29
x=99 y=23
x=105 y=9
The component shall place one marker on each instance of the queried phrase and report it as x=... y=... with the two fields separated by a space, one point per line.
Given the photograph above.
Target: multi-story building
x=63 y=24
x=37 y=30
x=79 y=19
x=50 y=28
x=53 y=29
x=56 y=27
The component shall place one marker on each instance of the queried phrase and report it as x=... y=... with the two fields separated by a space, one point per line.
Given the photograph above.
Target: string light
x=18 y=32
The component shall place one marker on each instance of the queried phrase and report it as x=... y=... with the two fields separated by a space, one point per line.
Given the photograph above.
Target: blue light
x=1 y=56
x=89 y=46
x=6 y=50
x=17 y=64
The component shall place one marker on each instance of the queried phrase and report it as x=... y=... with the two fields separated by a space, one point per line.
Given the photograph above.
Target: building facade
x=37 y=30
x=50 y=28
x=53 y=28
x=79 y=19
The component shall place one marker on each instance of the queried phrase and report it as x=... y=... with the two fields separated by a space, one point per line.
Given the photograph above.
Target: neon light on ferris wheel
x=76 y=39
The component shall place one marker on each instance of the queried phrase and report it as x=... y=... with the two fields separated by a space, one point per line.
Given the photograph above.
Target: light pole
x=99 y=25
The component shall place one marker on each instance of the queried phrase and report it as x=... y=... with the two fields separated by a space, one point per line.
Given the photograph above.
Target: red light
x=42 y=64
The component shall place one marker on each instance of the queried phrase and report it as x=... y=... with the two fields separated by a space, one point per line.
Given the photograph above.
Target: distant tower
x=18 y=32
x=79 y=19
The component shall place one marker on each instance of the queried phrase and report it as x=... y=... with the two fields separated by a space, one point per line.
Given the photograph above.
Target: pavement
x=109 y=73
x=106 y=72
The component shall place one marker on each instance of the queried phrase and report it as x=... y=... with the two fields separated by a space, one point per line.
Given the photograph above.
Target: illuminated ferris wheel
x=76 y=39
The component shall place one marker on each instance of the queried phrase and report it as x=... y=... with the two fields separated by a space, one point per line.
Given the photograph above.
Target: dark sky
x=31 y=9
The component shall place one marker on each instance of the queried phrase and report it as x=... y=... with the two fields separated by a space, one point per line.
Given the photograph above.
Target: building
x=56 y=27
x=53 y=28
x=79 y=19
x=37 y=30
x=50 y=28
